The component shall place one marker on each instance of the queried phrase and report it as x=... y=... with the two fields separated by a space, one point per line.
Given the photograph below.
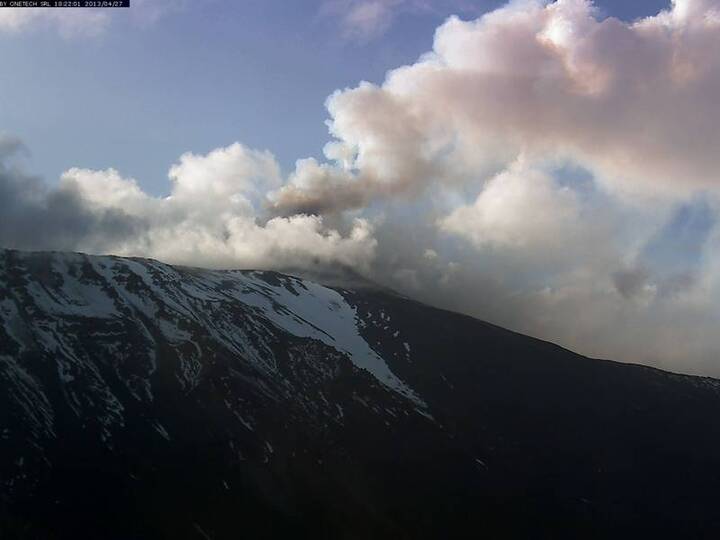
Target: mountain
x=140 y=400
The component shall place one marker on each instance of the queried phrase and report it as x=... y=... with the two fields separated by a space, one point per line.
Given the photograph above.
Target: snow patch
x=323 y=314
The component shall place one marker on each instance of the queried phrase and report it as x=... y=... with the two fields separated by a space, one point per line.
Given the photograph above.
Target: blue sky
x=141 y=93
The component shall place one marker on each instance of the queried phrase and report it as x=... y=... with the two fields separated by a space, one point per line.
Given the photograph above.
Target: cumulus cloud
x=213 y=215
x=518 y=208
x=635 y=103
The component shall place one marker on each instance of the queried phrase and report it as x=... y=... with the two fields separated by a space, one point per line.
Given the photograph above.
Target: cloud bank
x=211 y=217
x=541 y=168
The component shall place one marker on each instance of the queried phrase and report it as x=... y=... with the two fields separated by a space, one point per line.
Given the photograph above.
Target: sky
x=197 y=75
x=547 y=166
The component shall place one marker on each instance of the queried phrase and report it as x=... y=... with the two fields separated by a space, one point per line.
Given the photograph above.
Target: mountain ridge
x=333 y=279
x=141 y=400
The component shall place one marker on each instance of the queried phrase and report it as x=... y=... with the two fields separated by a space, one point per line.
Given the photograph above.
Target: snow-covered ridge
x=60 y=291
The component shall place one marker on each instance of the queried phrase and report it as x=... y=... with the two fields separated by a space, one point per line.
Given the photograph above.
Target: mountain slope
x=140 y=400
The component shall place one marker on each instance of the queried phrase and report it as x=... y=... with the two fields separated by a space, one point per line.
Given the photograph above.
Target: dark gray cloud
x=630 y=283
x=36 y=217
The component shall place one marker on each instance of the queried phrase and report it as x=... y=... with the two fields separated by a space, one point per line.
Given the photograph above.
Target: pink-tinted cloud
x=636 y=103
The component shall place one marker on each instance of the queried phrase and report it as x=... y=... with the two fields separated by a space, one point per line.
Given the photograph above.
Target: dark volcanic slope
x=138 y=400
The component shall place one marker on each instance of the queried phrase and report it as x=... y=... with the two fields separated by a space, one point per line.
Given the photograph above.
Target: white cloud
x=368 y=18
x=636 y=103
x=365 y=20
x=519 y=208
x=214 y=216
